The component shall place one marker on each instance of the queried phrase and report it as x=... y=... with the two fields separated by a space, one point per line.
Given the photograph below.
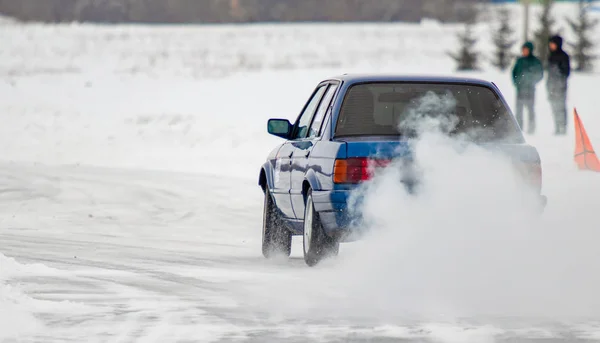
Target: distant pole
x=526 y=4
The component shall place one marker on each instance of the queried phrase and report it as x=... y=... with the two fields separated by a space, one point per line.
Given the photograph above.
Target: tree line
x=234 y=11
x=503 y=37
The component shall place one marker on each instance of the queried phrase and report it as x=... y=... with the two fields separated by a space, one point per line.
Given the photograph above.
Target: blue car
x=350 y=122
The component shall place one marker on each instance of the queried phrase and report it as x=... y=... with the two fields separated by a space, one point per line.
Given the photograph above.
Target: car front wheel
x=317 y=245
x=276 y=238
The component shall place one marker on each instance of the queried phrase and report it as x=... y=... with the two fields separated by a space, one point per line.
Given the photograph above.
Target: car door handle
x=307 y=153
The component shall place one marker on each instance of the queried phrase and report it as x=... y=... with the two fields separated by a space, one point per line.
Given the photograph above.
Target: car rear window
x=405 y=109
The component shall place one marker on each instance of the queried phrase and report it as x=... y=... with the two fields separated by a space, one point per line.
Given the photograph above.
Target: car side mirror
x=280 y=128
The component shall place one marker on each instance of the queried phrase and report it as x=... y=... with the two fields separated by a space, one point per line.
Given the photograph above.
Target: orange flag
x=585 y=157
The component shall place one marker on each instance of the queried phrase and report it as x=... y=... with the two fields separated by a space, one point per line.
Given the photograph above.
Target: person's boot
x=557 y=127
x=531 y=127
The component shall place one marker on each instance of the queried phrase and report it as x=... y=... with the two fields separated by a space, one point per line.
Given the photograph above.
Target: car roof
x=362 y=78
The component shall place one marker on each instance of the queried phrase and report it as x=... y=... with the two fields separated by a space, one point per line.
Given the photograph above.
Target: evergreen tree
x=467 y=58
x=503 y=39
x=545 y=30
x=583 y=28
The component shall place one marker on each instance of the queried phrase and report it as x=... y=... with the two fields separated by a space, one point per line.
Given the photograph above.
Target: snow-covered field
x=130 y=210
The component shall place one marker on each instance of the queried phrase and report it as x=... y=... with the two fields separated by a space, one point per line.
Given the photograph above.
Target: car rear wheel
x=276 y=238
x=317 y=245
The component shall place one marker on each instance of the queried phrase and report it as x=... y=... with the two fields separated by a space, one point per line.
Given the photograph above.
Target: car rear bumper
x=340 y=215
x=337 y=214
x=341 y=219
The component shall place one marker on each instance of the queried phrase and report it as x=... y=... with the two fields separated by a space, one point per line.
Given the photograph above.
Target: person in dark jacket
x=527 y=73
x=559 y=69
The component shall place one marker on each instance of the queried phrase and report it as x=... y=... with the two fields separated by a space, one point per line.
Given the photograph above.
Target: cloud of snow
x=471 y=241
x=470 y=244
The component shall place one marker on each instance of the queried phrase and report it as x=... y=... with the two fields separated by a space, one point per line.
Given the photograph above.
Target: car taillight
x=355 y=170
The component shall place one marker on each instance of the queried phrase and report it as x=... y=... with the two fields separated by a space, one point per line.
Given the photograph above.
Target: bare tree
x=545 y=30
x=503 y=39
x=467 y=57
x=220 y=11
x=583 y=27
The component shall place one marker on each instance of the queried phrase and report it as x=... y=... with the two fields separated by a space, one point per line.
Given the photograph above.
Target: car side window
x=315 y=127
x=301 y=129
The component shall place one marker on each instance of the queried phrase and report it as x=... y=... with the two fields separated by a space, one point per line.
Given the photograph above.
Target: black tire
x=276 y=238
x=316 y=244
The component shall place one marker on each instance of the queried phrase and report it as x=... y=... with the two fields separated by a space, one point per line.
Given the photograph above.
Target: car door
x=303 y=145
x=281 y=180
x=283 y=163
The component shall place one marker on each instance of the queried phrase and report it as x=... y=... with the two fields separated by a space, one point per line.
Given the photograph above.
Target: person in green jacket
x=527 y=73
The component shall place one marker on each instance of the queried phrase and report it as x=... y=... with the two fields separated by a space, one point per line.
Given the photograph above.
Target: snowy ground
x=130 y=210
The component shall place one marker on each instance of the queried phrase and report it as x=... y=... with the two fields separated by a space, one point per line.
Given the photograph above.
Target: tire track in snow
x=171 y=257
x=115 y=233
